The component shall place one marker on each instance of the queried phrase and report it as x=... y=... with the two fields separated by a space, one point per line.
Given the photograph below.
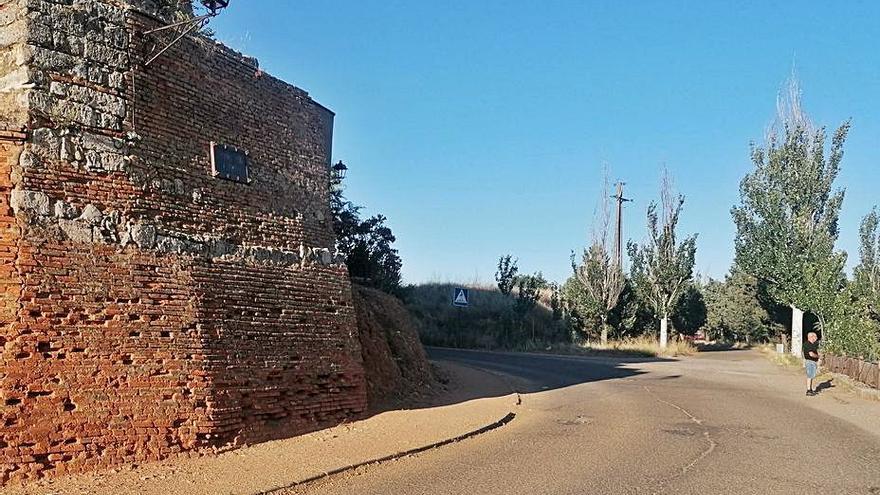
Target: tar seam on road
x=712 y=443
x=501 y=422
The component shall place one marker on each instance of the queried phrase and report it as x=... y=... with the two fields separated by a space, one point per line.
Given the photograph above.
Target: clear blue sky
x=480 y=128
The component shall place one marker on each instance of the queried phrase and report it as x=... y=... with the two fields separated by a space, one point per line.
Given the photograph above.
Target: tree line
x=786 y=266
x=601 y=299
x=787 y=273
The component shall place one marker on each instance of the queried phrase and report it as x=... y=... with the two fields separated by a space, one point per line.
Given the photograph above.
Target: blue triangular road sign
x=461 y=297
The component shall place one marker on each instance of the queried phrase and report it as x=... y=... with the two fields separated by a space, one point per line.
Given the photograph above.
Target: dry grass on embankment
x=784 y=359
x=638 y=347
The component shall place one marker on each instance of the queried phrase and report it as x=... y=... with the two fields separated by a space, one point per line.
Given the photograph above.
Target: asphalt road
x=721 y=422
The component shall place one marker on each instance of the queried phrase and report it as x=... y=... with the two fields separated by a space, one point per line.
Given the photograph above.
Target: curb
x=492 y=426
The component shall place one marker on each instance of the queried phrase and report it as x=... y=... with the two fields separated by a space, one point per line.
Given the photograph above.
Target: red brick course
x=149 y=308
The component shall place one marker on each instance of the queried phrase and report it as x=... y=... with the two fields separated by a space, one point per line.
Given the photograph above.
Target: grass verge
x=784 y=359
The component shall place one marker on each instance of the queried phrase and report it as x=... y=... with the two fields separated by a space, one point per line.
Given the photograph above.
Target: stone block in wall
x=30 y=201
x=868 y=373
x=827 y=361
x=877 y=375
x=12 y=31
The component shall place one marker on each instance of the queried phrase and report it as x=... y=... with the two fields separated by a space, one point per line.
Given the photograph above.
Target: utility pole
x=618 y=241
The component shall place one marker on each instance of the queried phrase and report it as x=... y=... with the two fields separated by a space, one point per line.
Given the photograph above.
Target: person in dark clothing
x=811 y=360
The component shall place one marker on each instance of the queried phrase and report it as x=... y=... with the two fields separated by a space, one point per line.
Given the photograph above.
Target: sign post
x=460 y=299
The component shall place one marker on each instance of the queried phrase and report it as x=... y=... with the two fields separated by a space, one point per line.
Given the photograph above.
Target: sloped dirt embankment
x=397 y=369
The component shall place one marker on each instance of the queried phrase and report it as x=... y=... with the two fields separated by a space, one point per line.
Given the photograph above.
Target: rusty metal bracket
x=195 y=23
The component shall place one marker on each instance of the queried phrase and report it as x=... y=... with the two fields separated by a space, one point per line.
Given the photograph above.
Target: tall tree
x=367 y=245
x=599 y=273
x=662 y=268
x=528 y=291
x=505 y=276
x=787 y=220
x=867 y=273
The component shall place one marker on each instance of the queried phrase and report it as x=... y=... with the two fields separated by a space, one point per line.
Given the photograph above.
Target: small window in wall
x=229 y=162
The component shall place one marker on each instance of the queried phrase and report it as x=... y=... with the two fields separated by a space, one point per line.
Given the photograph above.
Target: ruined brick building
x=168 y=281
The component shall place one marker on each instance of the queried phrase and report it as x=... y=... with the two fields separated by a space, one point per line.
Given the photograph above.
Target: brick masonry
x=149 y=308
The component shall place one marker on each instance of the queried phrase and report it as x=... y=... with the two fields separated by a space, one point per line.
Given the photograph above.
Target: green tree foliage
x=367 y=245
x=662 y=268
x=556 y=301
x=505 y=276
x=787 y=220
x=528 y=290
x=371 y=256
x=853 y=325
x=601 y=282
x=632 y=316
x=867 y=273
x=690 y=312
x=737 y=310
x=580 y=309
x=850 y=331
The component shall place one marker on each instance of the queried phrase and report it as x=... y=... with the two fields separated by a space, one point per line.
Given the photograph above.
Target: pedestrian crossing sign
x=460 y=297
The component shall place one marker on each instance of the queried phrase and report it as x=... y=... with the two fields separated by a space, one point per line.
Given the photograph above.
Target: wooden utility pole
x=618 y=240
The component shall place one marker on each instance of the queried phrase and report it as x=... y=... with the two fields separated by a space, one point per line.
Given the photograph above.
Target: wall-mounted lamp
x=339 y=170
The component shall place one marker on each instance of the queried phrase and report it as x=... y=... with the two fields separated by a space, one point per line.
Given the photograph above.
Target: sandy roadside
x=472 y=400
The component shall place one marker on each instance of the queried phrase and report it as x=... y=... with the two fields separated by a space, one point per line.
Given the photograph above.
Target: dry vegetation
x=646 y=346
x=486 y=324
x=784 y=359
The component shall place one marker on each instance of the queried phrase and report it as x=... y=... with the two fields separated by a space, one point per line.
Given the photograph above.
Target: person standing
x=811 y=360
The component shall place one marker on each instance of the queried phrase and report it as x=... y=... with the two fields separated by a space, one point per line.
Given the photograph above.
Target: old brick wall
x=10 y=281
x=154 y=308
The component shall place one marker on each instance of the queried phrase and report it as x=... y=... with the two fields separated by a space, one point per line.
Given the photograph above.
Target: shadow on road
x=829 y=383
x=527 y=372
x=721 y=347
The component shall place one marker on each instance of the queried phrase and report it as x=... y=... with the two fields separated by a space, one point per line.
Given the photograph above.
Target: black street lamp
x=339 y=170
x=215 y=5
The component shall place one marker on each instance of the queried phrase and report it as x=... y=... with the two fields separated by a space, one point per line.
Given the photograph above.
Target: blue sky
x=481 y=128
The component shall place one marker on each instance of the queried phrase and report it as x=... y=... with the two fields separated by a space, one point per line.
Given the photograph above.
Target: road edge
x=507 y=418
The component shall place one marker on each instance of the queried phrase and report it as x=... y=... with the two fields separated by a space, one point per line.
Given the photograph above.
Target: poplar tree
x=662 y=268
x=787 y=220
x=599 y=275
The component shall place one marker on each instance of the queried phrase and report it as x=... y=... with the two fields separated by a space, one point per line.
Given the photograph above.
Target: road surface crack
x=711 y=444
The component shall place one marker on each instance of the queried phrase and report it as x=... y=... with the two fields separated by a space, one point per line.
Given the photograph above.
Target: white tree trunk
x=797 y=331
x=604 y=336
x=663 y=333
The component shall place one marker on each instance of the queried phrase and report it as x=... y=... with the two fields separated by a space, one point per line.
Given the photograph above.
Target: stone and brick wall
x=150 y=308
x=857 y=369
